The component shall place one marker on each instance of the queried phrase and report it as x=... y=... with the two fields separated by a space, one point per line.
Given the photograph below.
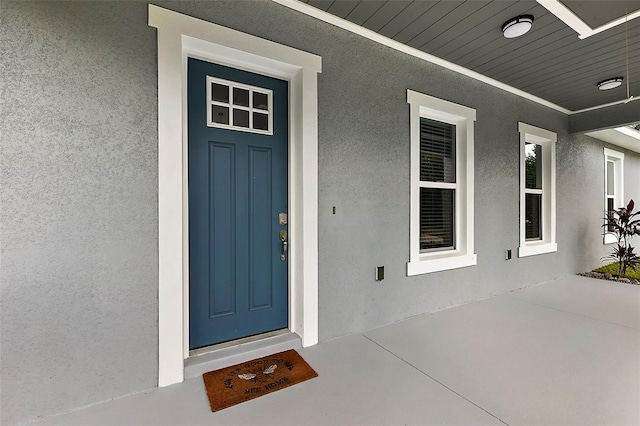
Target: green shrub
x=624 y=224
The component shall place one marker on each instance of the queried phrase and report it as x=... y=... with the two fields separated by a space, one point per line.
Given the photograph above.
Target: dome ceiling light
x=515 y=27
x=610 y=83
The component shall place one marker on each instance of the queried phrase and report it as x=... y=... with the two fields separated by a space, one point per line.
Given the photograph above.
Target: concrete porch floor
x=565 y=352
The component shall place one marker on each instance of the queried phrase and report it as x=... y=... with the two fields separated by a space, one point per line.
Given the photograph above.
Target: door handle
x=283 y=238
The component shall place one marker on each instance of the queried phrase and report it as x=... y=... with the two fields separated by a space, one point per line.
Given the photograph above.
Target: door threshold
x=237 y=342
x=226 y=354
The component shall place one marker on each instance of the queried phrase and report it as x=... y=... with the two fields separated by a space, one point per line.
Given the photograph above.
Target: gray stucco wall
x=79 y=206
x=631 y=176
x=78 y=221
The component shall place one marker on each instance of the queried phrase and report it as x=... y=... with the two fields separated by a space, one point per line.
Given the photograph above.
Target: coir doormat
x=248 y=380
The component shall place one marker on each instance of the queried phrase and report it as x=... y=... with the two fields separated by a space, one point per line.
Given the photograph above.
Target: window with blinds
x=437 y=185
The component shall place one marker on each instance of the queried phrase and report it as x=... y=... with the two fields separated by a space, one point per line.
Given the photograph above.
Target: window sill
x=610 y=239
x=426 y=265
x=537 y=248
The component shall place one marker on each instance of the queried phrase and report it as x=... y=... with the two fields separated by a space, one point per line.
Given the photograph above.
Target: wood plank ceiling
x=550 y=61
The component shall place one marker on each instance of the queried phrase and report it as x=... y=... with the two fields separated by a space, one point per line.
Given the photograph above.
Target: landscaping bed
x=610 y=272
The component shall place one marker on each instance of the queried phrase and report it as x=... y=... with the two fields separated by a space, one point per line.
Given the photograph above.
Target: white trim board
x=583 y=29
x=622 y=101
x=181 y=36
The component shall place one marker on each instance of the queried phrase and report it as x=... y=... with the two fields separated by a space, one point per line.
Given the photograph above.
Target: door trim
x=181 y=36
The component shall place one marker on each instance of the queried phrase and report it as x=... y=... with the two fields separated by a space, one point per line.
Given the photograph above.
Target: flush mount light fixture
x=515 y=27
x=610 y=83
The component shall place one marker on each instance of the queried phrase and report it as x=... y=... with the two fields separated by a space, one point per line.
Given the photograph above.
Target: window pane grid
x=239 y=107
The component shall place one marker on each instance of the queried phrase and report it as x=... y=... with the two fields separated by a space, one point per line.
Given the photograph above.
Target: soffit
x=550 y=62
x=594 y=15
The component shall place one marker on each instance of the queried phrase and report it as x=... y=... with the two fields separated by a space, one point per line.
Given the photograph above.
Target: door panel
x=261 y=254
x=237 y=187
x=221 y=224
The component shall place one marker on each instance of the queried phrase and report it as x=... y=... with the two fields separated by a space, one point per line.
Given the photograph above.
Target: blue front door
x=238 y=138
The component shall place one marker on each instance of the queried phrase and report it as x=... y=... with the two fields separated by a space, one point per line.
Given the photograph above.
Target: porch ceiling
x=551 y=61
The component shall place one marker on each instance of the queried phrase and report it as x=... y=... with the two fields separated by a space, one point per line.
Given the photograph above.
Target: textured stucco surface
x=78 y=122
x=79 y=206
x=631 y=175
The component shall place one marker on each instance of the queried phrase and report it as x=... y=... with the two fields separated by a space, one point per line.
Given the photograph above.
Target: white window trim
x=463 y=118
x=179 y=37
x=547 y=139
x=618 y=187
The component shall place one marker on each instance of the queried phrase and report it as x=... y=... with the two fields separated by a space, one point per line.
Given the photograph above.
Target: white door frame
x=181 y=36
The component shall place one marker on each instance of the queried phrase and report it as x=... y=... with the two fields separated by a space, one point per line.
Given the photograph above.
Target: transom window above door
x=236 y=106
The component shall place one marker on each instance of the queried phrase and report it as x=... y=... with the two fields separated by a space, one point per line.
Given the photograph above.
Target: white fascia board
x=615 y=23
x=379 y=38
x=567 y=16
x=622 y=101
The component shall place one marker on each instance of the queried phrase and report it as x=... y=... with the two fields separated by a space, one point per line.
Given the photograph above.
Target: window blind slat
x=533 y=213
x=437 y=151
